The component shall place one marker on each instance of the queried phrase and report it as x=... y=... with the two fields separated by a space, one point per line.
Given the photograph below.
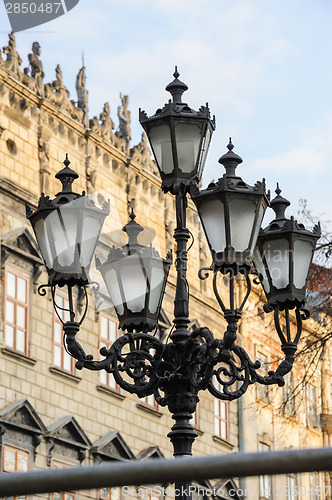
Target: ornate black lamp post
x=231 y=213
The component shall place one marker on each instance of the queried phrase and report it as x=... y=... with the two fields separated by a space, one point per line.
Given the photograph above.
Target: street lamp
x=231 y=213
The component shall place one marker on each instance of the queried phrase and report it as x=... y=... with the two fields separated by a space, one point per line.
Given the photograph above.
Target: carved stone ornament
x=67 y=438
x=112 y=446
x=142 y=154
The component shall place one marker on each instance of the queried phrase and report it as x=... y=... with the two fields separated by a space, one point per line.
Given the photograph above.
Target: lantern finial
x=132 y=229
x=230 y=160
x=279 y=204
x=66 y=176
x=176 y=87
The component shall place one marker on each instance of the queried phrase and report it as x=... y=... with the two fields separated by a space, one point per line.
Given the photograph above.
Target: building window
x=288 y=395
x=62 y=359
x=262 y=391
x=220 y=415
x=315 y=492
x=63 y=495
x=108 y=333
x=265 y=482
x=311 y=405
x=14 y=460
x=292 y=490
x=110 y=494
x=16 y=311
x=150 y=402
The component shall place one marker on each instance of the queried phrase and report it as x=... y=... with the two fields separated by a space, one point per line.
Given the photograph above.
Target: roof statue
x=13 y=61
x=124 y=120
x=36 y=68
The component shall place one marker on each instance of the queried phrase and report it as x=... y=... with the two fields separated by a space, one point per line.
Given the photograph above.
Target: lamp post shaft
x=181 y=302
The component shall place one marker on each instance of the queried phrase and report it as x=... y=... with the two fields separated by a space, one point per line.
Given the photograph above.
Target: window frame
x=103 y=341
x=217 y=418
x=55 y=344
x=311 y=404
x=17 y=451
x=264 y=447
x=18 y=274
x=58 y=462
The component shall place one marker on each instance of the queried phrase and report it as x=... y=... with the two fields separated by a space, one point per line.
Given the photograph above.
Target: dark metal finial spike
x=230 y=146
x=66 y=161
x=176 y=74
x=278 y=190
x=132 y=214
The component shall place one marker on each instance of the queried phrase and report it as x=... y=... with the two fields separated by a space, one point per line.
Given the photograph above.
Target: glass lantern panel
x=90 y=235
x=241 y=220
x=160 y=139
x=63 y=225
x=40 y=228
x=204 y=151
x=302 y=259
x=258 y=224
x=259 y=265
x=212 y=215
x=276 y=253
x=188 y=139
x=156 y=279
x=112 y=284
x=134 y=283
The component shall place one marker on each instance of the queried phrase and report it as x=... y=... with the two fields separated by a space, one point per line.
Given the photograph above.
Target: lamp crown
x=230 y=160
x=132 y=229
x=176 y=87
x=66 y=176
x=279 y=204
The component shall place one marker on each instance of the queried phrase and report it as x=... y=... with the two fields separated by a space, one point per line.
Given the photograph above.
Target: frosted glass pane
x=156 y=283
x=63 y=223
x=9 y=464
x=21 y=289
x=40 y=228
x=160 y=139
x=241 y=217
x=11 y=285
x=111 y=281
x=9 y=336
x=134 y=283
x=10 y=308
x=213 y=220
x=259 y=265
x=90 y=235
x=302 y=259
x=20 y=316
x=276 y=253
x=261 y=212
x=22 y=463
x=58 y=355
x=58 y=333
x=205 y=148
x=20 y=340
x=188 y=137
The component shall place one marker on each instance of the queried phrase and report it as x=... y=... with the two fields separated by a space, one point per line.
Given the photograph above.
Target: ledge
x=220 y=440
x=63 y=373
x=110 y=391
x=8 y=351
x=149 y=409
x=199 y=431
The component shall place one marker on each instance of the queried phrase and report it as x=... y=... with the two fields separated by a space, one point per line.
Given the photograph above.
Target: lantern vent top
x=66 y=176
x=279 y=205
x=230 y=160
x=132 y=229
x=176 y=87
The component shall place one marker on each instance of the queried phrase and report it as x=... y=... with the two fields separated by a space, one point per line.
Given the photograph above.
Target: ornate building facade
x=53 y=415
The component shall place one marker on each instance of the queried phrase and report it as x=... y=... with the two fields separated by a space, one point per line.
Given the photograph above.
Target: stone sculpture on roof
x=124 y=121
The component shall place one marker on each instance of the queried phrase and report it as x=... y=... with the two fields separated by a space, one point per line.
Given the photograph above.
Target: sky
x=264 y=67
